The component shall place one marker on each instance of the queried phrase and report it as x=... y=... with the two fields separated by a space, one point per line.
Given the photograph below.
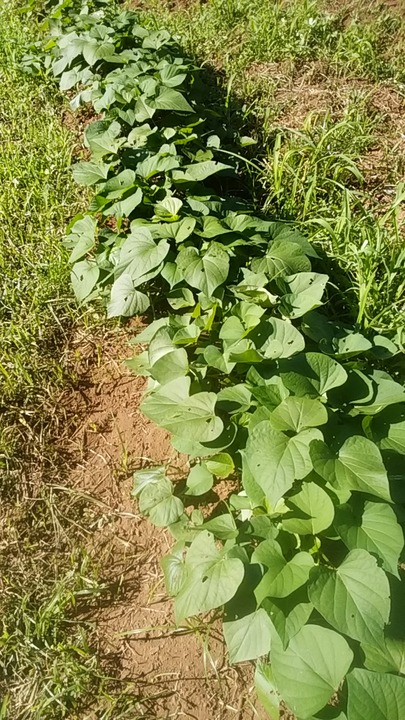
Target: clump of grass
x=313 y=176
x=49 y=669
x=37 y=196
x=307 y=170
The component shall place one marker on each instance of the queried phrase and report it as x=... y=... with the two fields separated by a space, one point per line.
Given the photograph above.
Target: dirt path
x=182 y=674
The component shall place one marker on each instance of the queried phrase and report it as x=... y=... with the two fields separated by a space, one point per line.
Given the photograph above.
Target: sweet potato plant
x=250 y=372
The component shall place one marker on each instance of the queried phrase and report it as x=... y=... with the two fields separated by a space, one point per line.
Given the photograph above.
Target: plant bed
x=251 y=373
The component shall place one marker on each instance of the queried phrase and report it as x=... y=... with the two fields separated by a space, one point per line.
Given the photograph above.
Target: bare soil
x=178 y=674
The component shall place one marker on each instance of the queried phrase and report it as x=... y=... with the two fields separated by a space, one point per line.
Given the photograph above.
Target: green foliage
x=323 y=170
x=247 y=373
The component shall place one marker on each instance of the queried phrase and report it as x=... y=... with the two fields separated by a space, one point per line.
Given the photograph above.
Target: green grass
x=316 y=86
x=235 y=34
x=37 y=196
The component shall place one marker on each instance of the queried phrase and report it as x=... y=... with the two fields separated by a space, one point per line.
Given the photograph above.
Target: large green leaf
x=270 y=392
x=117 y=185
x=375 y=696
x=387 y=654
x=180 y=230
x=169 y=99
x=334 y=338
x=312 y=510
x=94 y=50
x=102 y=137
x=204 y=271
x=158 y=502
x=192 y=417
x=395 y=439
x=89 y=173
x=277 y=338
x=385 y=392
x=388 y=429
x=155 y=164
x=173 y=567
x=199 y=171
x=156 y=497
x=253 y=490
x=282 y=578
x=148 y=476
x=172 y=365
x=217 y=359
x=212 y=578
x=126 y=300
x=359 y=466
x=304 y=292
x=275 y=460
x=234 y=399
x=140 y=254
x=126 y=205
x=222 y=527
x=311 y=669
x=376 y=529
x=281 y=230
x=312 y=374
x=200 y=480
x=221 y=465
x=249 y=637
x=296 y=413
x=84 y=276
x=354 y=598
x=282 y=258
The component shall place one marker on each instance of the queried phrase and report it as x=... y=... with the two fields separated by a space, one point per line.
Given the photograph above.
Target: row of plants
x=250 y=375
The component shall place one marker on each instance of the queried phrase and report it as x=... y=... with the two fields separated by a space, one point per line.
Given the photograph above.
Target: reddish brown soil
x=178 y=674
x=363 y=8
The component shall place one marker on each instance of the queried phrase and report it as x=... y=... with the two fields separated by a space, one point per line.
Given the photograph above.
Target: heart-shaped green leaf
x=200 y=480
x=312 y=510
x=376 y=529
x=311 y=669
x=125 y=299
x=289 y=614
x=283 y=577
x=375 y=696
x=296 y=413
x=212 y=578
x=84 y=278
x=204 y=271
x=192 y=417
x=275 y=460
x=387 y=654
x=354 y=598
x=249 y=637
x=277 y=338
